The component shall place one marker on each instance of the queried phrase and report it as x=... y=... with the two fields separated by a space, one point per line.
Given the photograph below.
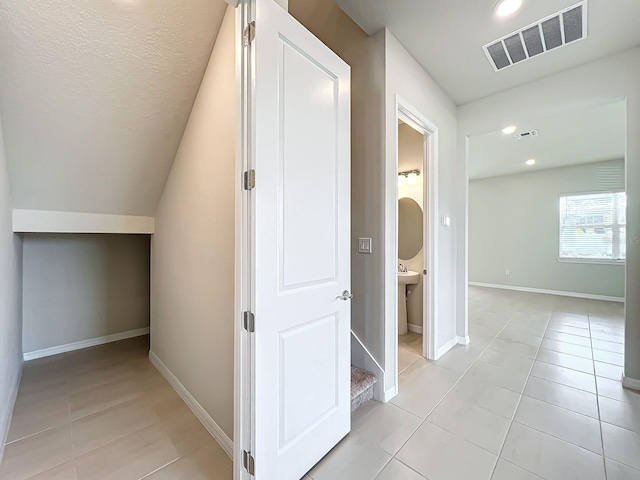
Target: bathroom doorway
x=416 y=200
x=410 y=245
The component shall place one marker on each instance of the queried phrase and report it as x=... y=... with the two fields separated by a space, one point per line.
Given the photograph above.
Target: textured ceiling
x=446 y=38
x=581 y=136
x=95 y=95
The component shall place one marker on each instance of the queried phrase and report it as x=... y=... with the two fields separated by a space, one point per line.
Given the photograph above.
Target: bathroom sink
x=408 y=278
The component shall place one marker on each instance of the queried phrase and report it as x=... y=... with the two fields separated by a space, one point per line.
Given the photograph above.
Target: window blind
x=593 y=226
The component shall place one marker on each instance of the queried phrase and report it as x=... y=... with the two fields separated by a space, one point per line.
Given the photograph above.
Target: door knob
x=345 y=296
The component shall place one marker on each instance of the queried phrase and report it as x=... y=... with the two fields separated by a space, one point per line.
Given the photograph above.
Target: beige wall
x=326 y=21
x=10 y=302
x=605 y=81
x=411 y=156
x=80 y=287
x=513 y=224
x=382 y=68
x=365 y=55
x=406 y=78
x=192 y=312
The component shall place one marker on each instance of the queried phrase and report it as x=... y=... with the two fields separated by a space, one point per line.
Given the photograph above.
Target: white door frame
x=243 y=206
x=248 y=252
x=414 y=118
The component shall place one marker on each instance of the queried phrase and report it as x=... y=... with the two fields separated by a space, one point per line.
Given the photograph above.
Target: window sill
x=621 y=263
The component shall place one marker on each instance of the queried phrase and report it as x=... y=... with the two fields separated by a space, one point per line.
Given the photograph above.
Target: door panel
x=301 y=236
x=309 y=155
x=300 y=371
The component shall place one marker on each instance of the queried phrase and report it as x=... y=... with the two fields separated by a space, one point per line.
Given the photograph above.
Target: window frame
x=593 y=261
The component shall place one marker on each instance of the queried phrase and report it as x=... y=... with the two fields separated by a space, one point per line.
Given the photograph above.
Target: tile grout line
x=562 y=385
x=163 y=466
x=590 y=360
x=495 y=337
x=71 y=420
x=504 y=441
x=402 y=463
x=72 y=447
x=73 y=443
x=33 y=434
x=40 y=431
x=68 y=425
x=422 y=422
x=391 y=458
x=583 y=346
x=595 y=379
x=557 y=438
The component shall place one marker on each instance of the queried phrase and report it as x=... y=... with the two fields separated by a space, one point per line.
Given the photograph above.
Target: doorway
x=557 y=274
x=560 y=180
x=415 y=247
x=411 y=271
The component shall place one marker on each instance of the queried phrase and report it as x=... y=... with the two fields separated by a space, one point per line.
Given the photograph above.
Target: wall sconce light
x=410 y=177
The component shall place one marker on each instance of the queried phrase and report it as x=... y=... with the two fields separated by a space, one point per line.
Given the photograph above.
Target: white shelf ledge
x=44 y=221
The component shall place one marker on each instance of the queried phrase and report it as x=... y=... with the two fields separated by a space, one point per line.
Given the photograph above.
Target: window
x=593 y=226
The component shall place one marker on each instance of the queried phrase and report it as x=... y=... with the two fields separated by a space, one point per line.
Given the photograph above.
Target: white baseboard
x=446 y=347
x=390 y=394
x=92 y=342
x=5 y=422
x=414 y=328
x=630 y=383
x=463 y=340
x=197 y=409
x=548 y=292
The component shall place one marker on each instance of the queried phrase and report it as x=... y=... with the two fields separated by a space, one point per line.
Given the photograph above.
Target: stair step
x=362 y=383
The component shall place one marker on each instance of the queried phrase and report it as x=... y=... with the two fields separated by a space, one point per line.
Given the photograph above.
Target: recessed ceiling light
x=504 y=8
x=509 y=130
x=531 y=162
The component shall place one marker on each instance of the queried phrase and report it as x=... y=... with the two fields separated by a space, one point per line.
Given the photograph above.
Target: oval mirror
x=409 y=228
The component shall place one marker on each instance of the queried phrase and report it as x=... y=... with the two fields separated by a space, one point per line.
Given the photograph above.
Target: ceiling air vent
x=529 y=134
x=557 y=30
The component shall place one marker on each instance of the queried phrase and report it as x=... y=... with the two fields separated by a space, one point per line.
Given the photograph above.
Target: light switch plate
x=364 y=245
x=446 y=221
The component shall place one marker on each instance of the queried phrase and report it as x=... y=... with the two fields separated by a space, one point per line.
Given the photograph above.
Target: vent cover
x=529 y=134
x=557 y=30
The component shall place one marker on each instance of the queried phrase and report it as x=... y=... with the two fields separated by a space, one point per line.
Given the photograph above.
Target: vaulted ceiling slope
x=95 y=96
x=446 y=38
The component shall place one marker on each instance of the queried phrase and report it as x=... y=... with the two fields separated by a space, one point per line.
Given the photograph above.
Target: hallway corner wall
x=193 y=248
x=10 y=302
x=407 y=79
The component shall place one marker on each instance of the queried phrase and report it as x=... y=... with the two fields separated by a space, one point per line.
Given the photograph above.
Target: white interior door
x=301 y=239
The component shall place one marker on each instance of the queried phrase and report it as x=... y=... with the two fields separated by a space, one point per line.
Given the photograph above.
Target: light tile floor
x=536 y=394
x=106 y=413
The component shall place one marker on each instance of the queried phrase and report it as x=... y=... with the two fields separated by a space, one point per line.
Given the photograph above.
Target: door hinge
x=249 y=463
x=249 y=34
x=249 y=321
x=249 y=180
